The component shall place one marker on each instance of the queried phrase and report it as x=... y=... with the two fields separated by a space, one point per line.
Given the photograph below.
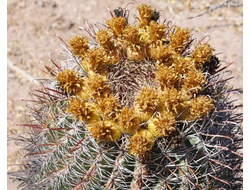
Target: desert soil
x=32 y=25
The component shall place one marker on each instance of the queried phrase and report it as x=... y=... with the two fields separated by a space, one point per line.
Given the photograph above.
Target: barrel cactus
x=134 y=106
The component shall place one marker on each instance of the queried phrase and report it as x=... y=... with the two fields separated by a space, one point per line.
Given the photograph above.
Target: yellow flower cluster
x=173 y=94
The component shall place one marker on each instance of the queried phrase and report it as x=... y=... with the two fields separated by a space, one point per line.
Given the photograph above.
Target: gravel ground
x=32 y=25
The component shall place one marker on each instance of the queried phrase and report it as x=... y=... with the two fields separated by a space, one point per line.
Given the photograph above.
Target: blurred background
x=32 y=26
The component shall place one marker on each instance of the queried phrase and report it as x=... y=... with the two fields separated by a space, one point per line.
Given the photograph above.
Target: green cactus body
x=135 y=106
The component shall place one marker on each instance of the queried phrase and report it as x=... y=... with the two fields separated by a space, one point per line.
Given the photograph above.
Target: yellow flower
x=70 y=81
x=146 y=13
x=117 y=25
x=183 y=65
x=166 y=76
x=202 y=53
x=135 y=50
x=107 y=106
x=162 y=125
x=83 y=111
x=79 y=46
x=147 y=99
x=136 y=53
x=192 y=81
x=180 y=38
x=141 y=142
x=144 y=37
x=128 y=120
x=162 y=53
x=131 y=35
x=170 y=100
x=144 y=115
x=96 y=60
x=112 y=57
x=96 y=85
x=83 y=94
x=156 y=31
x=104 y=37
x=106 y=131
x=197 y=107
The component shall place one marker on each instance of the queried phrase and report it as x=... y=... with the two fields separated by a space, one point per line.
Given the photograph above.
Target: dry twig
x=220 y=6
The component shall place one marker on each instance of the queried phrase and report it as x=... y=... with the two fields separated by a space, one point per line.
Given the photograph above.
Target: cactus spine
x=135 y=106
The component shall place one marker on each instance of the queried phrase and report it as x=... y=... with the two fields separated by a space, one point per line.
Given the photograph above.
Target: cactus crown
x=146 y=70
x=135 y=106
